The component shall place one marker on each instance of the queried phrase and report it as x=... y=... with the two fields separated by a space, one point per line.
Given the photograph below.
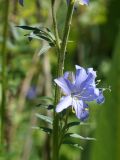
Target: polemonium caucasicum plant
x=79 y=89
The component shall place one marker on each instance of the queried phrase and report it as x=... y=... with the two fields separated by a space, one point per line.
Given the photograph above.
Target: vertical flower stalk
x=4 y=70
x=61 y=49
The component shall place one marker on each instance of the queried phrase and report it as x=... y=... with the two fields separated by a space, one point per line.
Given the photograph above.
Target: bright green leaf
x=74 y=135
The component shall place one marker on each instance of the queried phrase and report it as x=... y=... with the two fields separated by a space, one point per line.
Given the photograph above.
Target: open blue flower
x=82 y=2
x=32 y=93
x=79 y=89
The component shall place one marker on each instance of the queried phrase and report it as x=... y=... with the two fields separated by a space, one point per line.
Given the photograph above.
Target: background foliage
x=95 y=42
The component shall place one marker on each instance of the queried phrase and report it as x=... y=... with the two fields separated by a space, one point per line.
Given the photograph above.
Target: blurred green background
x=94 y=42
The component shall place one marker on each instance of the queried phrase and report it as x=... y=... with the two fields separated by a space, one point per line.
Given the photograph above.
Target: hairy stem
x=61 y=58
x=57 y=92
x=4 y=58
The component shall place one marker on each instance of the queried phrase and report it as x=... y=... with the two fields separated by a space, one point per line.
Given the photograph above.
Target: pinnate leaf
x=72 y=124
x=73 y=144
x=74 y=135
x=44 y=49
x=45 y=118
x=45 y=129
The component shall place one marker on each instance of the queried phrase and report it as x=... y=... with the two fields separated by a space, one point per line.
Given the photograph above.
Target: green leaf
x=42 y=105
x=45 y=129
x=44 y=49
x=33 y=36
x=48 y=29
x=49 y=107
x=35 y=127
x=45 y=102
x=74 y=135
x=29 y=28
x=50 y=34
x=45 y=118
x=40 y=34
x=72 y=124
x=46 y=98
x=73 y=144
x=46 y=38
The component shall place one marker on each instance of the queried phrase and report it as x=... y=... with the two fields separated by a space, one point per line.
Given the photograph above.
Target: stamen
x=79 y=96
x=109 y=88
x=103 y=89
x=98 y=81
x=73 y=110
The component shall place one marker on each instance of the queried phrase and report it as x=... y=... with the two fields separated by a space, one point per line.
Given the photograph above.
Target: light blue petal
x=81 y=76
x=90 y=70
x=64 y=85
x=70 y=85
x=83 y=2
x=69 y=79
x=85 y=105
x=81 y=109
x=69 y=76
x=66 y=75
x=90 y=94
x=90 y=81
x=85 y=112
x=64 y=103
x=84 y=115
x=78 y=106
x=78 y=67
x=101 y=98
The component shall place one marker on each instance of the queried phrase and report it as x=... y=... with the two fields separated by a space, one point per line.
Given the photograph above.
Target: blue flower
x=21 y=2
x=31 y=94
x=82 y=2
x=79 y=89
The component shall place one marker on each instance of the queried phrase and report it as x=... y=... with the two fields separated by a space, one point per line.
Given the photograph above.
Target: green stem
x=56 y=118
x=4 y=69
x=60 y=68
x=66 y=35
x=63 y=130
x=55 y=25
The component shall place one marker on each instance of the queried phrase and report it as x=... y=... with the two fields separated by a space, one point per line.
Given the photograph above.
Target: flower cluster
x=79 y=89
